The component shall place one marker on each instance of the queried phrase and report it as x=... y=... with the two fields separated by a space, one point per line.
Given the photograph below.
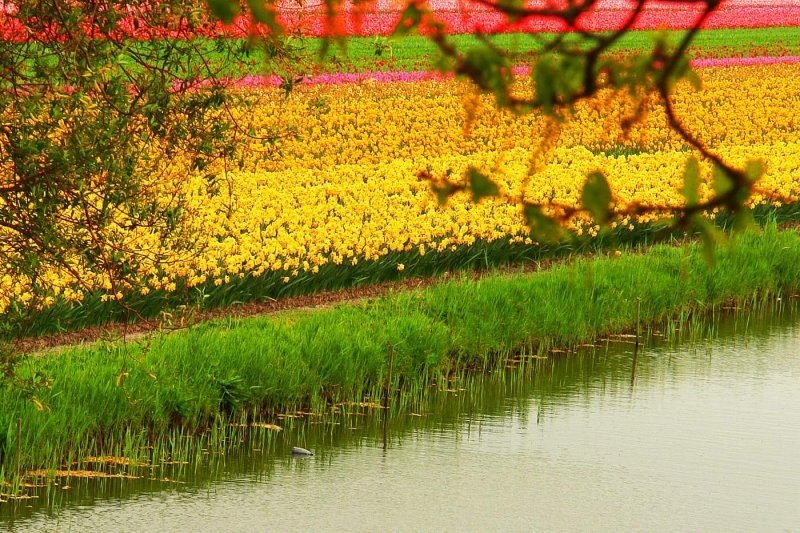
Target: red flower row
x=458 y=16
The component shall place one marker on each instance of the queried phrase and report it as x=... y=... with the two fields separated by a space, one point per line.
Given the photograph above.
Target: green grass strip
x=234 y=58
x=414 y=52
x=86 y=399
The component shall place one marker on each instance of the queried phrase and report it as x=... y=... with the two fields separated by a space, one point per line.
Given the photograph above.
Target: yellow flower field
x=330 y=174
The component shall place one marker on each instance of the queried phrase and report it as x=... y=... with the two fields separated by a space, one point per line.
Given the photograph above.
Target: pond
x=701 y=434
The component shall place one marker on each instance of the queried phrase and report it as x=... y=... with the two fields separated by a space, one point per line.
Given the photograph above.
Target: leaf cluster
x=91 y=109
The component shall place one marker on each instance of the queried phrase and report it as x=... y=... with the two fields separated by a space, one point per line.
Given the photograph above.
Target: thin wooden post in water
x=385 y=402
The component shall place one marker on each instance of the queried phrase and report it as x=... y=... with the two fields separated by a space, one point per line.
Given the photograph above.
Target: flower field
x=340 y=184
x=380 y=17
x=466 y=16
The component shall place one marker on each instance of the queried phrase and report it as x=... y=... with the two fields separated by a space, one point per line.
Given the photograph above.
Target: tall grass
x=89 y=400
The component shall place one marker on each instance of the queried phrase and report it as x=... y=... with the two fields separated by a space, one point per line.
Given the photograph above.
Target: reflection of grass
x=111 y=399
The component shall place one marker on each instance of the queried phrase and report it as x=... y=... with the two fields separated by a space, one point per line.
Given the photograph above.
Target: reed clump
x=85 y=401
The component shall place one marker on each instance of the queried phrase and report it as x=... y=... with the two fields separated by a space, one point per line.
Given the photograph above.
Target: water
x=700 y=436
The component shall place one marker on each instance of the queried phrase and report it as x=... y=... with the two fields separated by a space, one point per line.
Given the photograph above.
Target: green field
x=419 y=53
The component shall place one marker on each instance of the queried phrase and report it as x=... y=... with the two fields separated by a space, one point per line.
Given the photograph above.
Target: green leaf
x=710 y=235
x=754 y=170
x=410 y=19
x=261 y=14
x=691 y=182
x=490 y=69
x=743 y=220
x=683 y=70
x=596 y=197
x=694 y=79
x=481 y=186
x=544 y=76
x=444 y=192
x=570 y=80
x=543 y=227
x=721 y=180
x=225 y=10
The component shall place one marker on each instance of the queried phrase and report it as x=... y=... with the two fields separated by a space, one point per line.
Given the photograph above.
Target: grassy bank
x=94 y=310
x=113 y=398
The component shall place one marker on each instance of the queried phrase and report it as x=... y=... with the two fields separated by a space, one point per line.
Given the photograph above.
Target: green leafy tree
x=95 y=98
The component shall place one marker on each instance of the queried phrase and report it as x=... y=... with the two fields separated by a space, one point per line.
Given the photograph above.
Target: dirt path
x=180 y=320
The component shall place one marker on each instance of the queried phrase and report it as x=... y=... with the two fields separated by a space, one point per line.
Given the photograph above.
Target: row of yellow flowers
x=324 y=125
x=330 y=174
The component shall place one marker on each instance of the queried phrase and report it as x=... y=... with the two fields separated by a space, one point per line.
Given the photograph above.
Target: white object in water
x=300 y=451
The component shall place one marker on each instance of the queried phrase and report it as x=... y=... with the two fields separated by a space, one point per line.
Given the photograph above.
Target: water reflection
x=698 y=435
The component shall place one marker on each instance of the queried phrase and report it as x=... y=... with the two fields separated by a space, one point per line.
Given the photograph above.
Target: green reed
x=173 y=396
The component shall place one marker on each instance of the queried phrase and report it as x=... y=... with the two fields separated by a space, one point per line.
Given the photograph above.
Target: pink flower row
x=466 y=16
x=421 y=75
x=379 y=17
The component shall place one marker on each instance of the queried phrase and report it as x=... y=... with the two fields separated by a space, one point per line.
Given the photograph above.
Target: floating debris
x=110 y=460
x=368 y=405
x=24 y=485
x=264 y=425
x=296 y=450
x=77 y=474
x=8 y=497
x=168 y=480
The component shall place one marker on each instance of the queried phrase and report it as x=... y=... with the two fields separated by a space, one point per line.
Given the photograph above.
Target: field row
x=330 y=176
x=381 y=17
x=368 y=123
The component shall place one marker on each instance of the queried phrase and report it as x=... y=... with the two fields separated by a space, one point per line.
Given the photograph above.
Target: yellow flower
x=345 y=189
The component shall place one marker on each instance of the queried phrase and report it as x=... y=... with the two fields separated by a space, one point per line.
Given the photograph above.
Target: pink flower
x=421 y=75
x=379 y=17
